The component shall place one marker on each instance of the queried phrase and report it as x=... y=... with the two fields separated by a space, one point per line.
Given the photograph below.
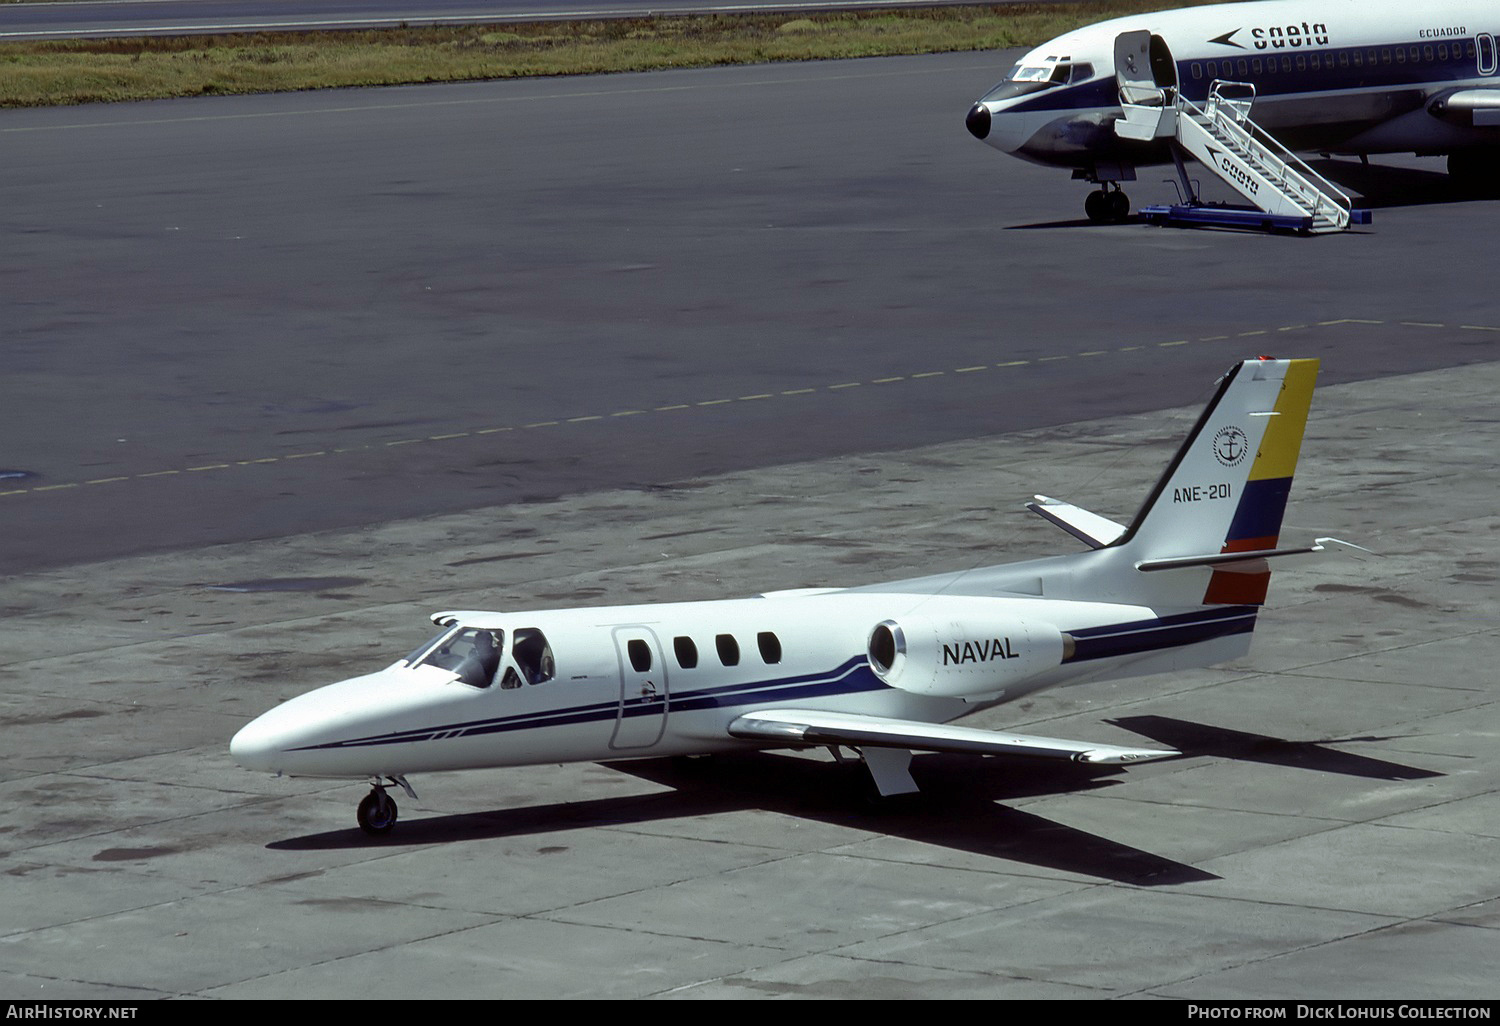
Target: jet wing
x=812 y=727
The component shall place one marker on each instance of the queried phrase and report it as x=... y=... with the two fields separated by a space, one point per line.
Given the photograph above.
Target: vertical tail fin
x=1226 y=489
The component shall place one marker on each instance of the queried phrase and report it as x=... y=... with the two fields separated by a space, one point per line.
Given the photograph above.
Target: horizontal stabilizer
x=1089 y=528
x=1319 y=550
x=811 y=727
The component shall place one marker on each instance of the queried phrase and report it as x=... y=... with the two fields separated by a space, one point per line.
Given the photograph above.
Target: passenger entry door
x=642 y=716
x=1146 y=79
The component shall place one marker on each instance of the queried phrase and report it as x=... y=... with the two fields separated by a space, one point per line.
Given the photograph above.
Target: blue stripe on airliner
x=1330 y=76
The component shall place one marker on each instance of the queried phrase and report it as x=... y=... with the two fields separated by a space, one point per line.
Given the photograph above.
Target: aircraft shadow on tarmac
x=1372 y=186
x=958 y=809
x=1201 y=739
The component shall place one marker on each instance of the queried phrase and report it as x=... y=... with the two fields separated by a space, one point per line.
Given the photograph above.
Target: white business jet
x=882 y=670
x=1351 y=77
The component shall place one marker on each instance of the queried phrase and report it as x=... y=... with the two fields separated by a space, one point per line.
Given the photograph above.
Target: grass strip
x=93 y=71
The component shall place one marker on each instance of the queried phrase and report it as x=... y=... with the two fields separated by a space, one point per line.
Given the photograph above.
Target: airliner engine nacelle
x=952 y=658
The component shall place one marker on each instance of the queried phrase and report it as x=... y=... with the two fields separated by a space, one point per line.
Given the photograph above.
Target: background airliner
x=1332 y=76
x=882 y=669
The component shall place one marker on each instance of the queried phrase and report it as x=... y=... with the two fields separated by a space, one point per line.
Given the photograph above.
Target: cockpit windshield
x=1039 y=74
x=479 y=657
x=471 y=653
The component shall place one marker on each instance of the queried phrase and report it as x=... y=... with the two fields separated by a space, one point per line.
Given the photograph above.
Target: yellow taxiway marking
x=914 y=376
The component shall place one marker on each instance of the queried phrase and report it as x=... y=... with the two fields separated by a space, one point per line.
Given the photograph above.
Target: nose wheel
x=377 y=813
x=1107 y=205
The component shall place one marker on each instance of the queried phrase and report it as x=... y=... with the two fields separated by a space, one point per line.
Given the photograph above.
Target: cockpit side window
x=533 y=655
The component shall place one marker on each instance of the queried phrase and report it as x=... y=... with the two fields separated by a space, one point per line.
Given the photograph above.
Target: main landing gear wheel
x=1107 y=206
x=377 y=813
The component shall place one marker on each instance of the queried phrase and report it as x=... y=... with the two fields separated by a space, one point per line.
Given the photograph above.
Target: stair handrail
x=1318 y=192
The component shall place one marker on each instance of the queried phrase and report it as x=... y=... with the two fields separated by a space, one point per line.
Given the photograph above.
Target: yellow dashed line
x=721 y=402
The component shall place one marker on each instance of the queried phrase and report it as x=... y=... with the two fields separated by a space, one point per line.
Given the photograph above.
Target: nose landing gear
x=377 y=813
x=1107 y=205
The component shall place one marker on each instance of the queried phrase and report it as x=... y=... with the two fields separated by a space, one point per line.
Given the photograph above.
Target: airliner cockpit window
x=1031 y=78
x=471 y=653
x=533 y=655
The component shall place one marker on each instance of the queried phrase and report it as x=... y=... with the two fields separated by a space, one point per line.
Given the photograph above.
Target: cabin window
x=533 y=655
x=687 y=652
x=729 y=649
x=640 y=655
x=1213 y=69
x=1427 y=53
x=770 y=647
x=1197 y=70
x=1442 y=53
x=1244 y=66
x=1258 y=65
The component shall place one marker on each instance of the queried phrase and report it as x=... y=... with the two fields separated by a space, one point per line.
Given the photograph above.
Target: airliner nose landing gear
x=377 y=813
x=1107 y=204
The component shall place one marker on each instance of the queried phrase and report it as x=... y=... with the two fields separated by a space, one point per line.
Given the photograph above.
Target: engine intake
x=963 y=658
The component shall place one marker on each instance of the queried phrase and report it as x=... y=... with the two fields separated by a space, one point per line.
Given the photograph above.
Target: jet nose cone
x=257 y=746
x=978 y=121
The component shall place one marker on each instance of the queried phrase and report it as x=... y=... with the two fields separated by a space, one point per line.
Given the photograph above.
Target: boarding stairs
x=1287 y=194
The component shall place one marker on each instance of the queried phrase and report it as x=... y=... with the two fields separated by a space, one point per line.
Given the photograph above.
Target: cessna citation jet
x=1349 y=77
x=882 y=670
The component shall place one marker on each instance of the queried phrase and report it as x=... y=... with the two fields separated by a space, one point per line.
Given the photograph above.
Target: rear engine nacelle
x=963 y=658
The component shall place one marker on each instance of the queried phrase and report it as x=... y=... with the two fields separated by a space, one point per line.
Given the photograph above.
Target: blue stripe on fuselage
x=1331 y=75
x=852 y=677
x=1165 y=632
